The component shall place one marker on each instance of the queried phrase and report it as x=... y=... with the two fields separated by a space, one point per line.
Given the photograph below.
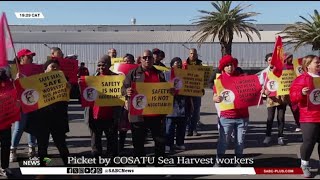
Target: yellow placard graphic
x=159 y=100
x=283 y=83
x=223 y=105
x=105 y=90
x=297 y=67
x=13 y=70
x=217 y=75
x=188 y=82
x=116 y=60
x=44 y=89
x=161 y=68
x=208 y=70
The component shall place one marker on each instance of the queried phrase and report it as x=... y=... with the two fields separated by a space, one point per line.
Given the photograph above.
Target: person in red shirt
x=288 y=58
x=124 y=124
x=112 y=53
x=104 y=119
x=5 y=128
x=146 y=72
x=195 y=116
x=230 y=120
x=83 y=71
x=56 y=52
x=25 y=57
x=309 y=119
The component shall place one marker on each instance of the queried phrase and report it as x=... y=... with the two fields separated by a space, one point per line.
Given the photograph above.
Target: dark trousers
x=110 y=129
x=296 y=115
x=195 y=116
x=59 y=139
x=280 y=117
x=124 y=126
x=122 y=139
x=310 y=135
x=5 y=139
x=155 y=124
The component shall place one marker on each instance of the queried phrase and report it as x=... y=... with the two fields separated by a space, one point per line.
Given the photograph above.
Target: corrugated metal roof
x=68 y=28
x=123 y=37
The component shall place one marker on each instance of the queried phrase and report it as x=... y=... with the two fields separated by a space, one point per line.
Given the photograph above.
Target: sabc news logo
x=35 y=161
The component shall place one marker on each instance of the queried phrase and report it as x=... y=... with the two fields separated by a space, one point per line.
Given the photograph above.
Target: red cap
x=226 y=60
x=25 y=52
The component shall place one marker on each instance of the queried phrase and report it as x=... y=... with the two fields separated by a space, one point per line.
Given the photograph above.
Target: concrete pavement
x=205 y=145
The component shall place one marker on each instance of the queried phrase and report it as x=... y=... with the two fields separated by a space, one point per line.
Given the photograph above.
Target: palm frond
x=223 y=22
x=305 y=32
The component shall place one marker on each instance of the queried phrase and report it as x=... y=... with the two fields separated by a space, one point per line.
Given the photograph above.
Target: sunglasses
x=101 y=65
x=147 y=57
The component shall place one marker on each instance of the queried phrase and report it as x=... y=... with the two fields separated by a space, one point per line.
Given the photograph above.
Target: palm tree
x=223 y=22
x=303 y=33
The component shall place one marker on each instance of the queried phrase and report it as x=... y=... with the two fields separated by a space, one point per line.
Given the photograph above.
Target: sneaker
x=190 y=134
x=167 y=149
x=281 y=141
x=3 y=173
x=217 y=165
x=50 y=139
x=298 y=130
x=267 y=140
x=182 y=148
x=13 y=155
x=32 y=151
x=195 y=133
x=306 y=171
x=8 y=172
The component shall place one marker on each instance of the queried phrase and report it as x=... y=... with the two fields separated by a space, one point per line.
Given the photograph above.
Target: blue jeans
x=195 y=116
x=226 y=127
x=173 y=123
x=18 y=131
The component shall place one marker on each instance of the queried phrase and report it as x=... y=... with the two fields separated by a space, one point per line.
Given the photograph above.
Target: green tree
x=223 y=22
x=304 y=33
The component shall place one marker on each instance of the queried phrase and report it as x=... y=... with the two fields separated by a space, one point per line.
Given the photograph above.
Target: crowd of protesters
x=116 y=121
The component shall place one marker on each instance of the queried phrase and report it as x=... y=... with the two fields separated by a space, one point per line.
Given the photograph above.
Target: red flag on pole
x=278 y=57
x=5 y=40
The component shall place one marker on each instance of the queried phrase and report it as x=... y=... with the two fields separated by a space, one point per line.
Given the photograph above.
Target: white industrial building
x=90 y=42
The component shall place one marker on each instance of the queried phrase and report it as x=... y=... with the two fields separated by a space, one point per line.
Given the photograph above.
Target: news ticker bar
x=156 y=171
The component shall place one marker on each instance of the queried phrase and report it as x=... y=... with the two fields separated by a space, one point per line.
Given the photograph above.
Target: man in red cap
x=25 y=56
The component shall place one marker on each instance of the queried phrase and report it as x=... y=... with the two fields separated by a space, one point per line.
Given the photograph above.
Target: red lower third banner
x=276 y=170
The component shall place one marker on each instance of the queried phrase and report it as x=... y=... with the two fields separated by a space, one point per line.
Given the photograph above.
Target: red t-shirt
x=83 y=71
x=102 y=113
x=151 y=76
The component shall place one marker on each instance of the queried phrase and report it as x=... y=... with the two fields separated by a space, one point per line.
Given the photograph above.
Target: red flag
x=5 y=40
x=278 y=57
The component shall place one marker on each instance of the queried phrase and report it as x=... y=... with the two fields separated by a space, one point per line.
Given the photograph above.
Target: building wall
x=250 y=55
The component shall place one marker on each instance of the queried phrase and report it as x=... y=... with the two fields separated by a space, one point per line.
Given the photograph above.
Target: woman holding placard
x=233 y=120
x=304 y=94
x=52 y=119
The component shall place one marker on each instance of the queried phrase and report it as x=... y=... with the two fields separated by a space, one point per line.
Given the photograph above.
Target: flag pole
x=14 y=51
x=264 y=84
